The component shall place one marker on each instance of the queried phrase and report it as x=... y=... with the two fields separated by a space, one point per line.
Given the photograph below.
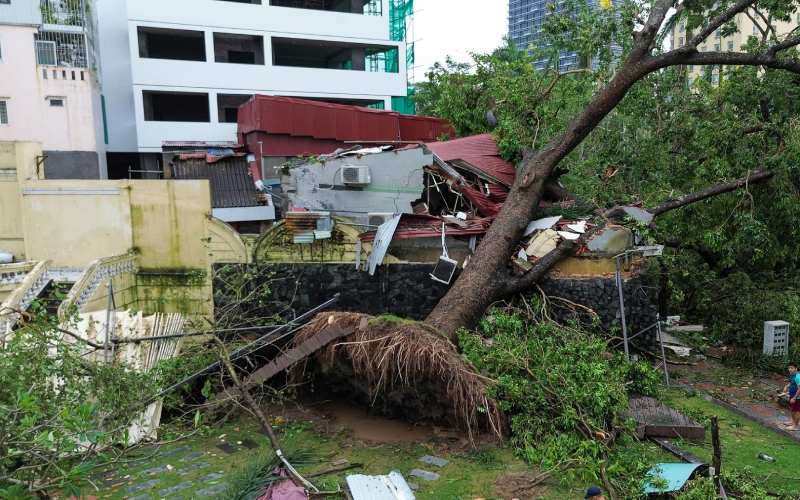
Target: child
x=794 y=404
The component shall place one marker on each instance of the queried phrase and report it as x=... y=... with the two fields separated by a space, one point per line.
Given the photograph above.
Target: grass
x=469 y=474
x=742 y=442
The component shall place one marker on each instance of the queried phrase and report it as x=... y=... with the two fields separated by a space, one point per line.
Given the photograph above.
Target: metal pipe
x=663 y=352
x=622 y=309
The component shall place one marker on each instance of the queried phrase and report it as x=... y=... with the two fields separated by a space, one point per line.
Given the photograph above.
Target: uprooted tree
x=548 y=127
x=489 y=278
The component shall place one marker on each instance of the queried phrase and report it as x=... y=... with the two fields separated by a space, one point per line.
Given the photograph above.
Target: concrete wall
x=397 y=180
x=25 y=12
x=73 y=223
x=126 y=75
x=24 y=101
x=407 y=290
x=17 y=162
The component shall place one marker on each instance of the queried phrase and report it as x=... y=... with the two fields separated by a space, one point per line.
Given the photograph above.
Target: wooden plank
x=288 y=359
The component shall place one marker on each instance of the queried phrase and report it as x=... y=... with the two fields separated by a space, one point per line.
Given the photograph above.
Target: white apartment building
x=177 y=70
x=49 y=91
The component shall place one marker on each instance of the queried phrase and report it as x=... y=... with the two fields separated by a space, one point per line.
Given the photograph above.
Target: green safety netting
x=399 y=12
x=405 y=104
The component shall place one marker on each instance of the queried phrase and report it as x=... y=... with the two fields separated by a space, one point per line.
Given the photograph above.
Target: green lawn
x=742 y=441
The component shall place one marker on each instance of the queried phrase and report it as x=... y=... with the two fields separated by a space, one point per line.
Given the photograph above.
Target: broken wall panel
x=395 y=180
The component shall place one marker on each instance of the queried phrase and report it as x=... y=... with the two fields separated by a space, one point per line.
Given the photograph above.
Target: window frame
x=4 y=119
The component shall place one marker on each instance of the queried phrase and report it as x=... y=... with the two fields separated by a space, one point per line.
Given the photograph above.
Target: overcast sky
x=456 y=28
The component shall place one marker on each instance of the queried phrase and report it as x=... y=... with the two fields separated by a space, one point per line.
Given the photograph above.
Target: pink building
x=48 y=90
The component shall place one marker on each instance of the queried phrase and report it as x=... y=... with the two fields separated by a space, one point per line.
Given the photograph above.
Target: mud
x=362 y=426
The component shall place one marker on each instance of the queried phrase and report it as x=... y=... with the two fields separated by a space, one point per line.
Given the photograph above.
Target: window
x=681 y=27
x=716 y=47
x=45 y=53
x=56 y=102
x=730 y=45
x=228 y=106
x=3 y=112
x=680 y=42
x=368 y=7
x=175 y=106
x=238 y=49
x=5 y=1
x=334 y=55
x=164 y=43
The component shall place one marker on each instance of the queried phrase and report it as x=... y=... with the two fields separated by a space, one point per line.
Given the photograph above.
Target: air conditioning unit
x=378 y=218
x=776 y=338
x=356 y=175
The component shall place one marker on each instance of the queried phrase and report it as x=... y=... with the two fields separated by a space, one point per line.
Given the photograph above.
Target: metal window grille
x=56 y=48
x=63 y=12
x=45 y=53
x=3 y=113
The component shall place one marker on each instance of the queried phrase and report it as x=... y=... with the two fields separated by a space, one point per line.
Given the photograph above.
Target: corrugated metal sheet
x=380 y=245
x=478 y=151
x=391 y=487
x=231 y=185
x=339 y=122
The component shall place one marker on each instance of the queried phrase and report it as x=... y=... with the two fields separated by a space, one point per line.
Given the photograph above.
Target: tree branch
x=754 y=178
x=718 y=21
x=644 y=38
x=678 y=57
x=567 y=247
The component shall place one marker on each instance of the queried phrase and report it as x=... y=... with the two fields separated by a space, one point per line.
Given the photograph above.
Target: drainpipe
x=255 y=168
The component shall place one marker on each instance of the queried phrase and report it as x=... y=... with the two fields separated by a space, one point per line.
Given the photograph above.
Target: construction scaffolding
x=401 y=29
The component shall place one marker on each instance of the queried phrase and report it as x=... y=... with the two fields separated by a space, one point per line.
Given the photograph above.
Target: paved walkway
x=751 y=396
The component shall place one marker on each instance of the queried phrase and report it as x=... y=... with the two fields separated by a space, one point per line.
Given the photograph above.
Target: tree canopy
x=669 y=135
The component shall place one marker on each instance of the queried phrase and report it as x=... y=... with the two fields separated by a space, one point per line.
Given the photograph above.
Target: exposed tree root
x=391 y=354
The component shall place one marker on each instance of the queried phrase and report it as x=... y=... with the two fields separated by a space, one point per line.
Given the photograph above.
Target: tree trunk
x=487 y=277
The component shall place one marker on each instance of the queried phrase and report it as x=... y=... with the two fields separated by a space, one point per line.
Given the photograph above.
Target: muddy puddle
x=365 y=427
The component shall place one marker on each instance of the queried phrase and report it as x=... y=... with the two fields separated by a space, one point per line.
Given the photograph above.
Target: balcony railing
x=64 y=12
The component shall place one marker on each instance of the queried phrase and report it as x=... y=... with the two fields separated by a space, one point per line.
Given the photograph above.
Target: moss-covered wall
x=187 y=291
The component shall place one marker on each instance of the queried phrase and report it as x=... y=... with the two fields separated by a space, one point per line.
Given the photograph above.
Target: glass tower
x=525 y=19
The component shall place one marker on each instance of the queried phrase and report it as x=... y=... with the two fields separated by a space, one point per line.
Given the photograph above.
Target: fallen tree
x=488 y=271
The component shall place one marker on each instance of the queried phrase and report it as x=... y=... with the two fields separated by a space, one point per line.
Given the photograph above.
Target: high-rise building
x=176 y=71
x=525 y=18
x=746 y=28
x=49 y=90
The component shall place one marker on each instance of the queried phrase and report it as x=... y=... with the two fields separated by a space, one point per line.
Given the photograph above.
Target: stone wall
x=406 y=290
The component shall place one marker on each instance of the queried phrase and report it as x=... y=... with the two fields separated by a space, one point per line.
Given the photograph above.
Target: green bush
x=58 y=410
x=561 y=389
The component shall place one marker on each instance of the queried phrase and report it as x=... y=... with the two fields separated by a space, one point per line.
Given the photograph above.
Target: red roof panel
x=480 y=151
